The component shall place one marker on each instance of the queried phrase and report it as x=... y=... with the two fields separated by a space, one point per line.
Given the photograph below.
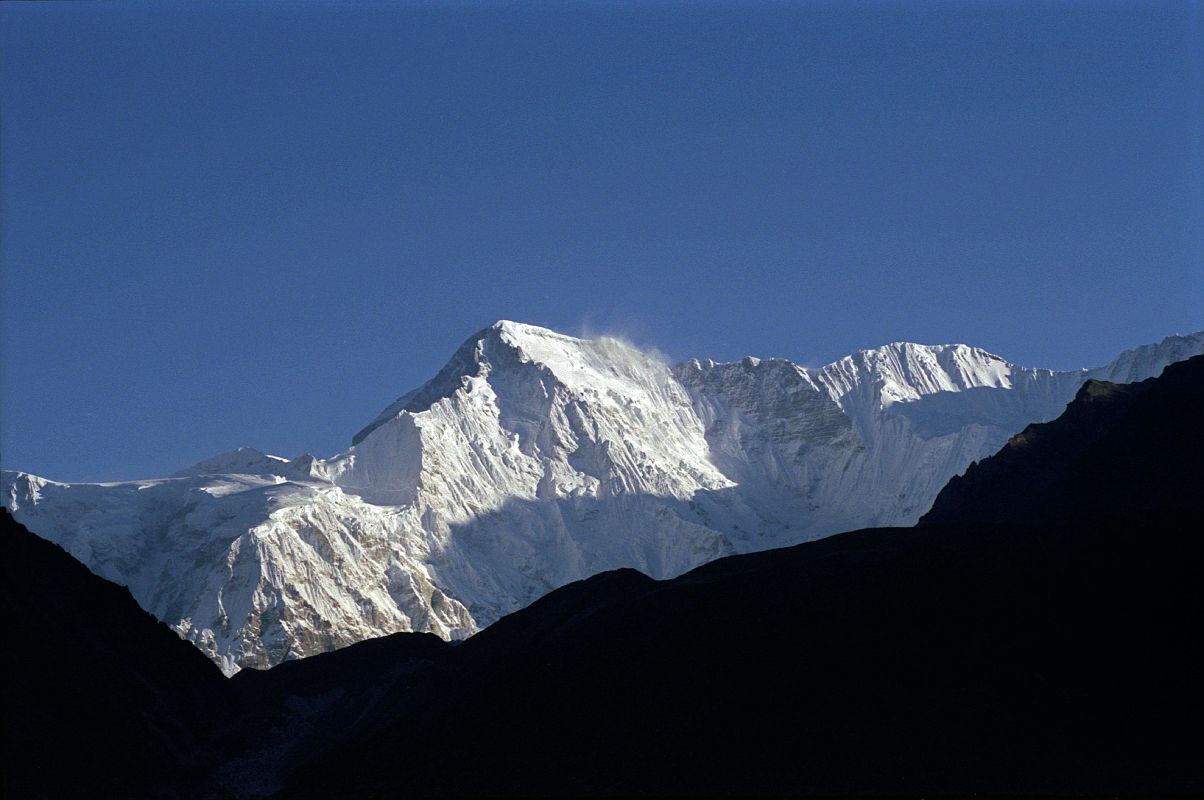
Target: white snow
x=534 y=459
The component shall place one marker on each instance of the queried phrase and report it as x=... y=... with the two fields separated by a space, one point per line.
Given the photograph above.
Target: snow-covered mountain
x=534 y=459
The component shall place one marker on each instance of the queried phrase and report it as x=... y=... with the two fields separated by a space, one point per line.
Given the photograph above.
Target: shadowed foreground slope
x=100 y=699
x=950 y=659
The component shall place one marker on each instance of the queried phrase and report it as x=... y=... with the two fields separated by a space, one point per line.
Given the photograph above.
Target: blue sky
x=256 y=224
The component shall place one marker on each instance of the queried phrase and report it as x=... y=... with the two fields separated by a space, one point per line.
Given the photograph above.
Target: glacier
x=533 y=459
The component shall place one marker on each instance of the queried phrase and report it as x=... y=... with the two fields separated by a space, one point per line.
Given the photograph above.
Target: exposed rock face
x=534 y=459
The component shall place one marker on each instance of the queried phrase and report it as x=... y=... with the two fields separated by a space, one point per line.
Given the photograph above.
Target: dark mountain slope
x=100 y=699
x=286 y=715
x=950 y=659
x=984 y=658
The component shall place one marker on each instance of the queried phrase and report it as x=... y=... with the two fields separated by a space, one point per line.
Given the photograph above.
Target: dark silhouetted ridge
x=100 y=699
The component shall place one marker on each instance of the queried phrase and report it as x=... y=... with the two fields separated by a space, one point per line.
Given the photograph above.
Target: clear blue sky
x=256 y=224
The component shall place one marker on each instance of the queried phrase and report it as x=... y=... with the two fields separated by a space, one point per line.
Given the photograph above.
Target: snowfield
x=535 y=459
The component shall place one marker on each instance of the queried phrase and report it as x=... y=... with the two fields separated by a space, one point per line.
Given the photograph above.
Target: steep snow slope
x=252 y=569
x=534 y=459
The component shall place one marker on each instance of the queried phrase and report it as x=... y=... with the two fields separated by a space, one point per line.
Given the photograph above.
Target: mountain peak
x=906 y=371
x=515 y=328
x=920 y=349
x=505 y=345
x=240 y=460
x=518 y=332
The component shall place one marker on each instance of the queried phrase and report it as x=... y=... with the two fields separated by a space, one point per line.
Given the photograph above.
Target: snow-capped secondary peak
x=241 y=460
x=1138 y=363
x=905 y=371
x=532 y=459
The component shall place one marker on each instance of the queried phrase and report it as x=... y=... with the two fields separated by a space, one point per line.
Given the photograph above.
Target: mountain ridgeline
x=1040 y=633
x=533 y=460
